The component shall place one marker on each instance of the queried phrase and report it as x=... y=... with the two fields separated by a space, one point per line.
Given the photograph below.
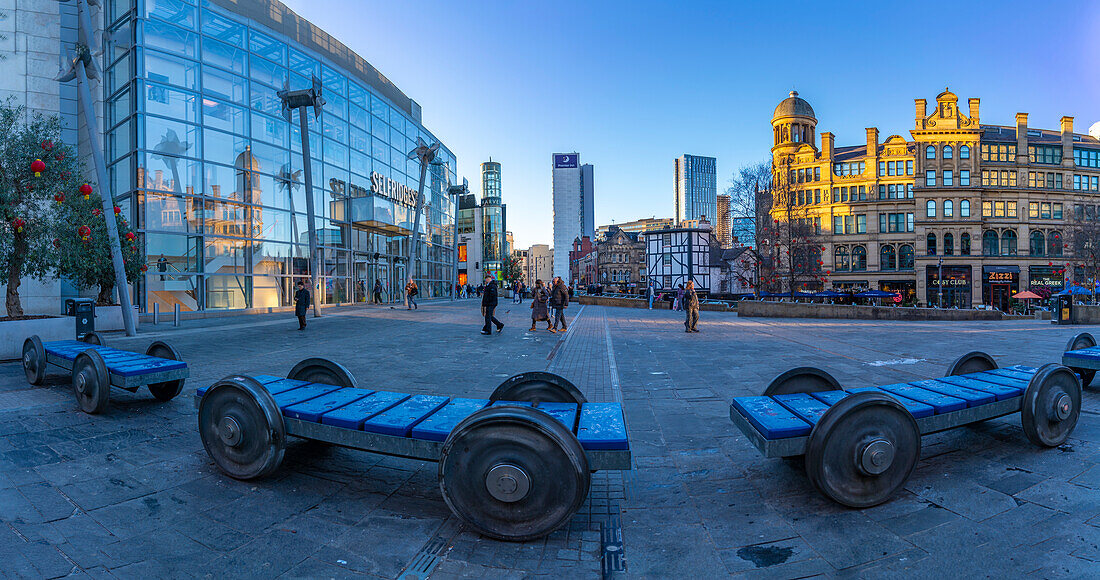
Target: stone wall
x=755 y=308
x=641 y=303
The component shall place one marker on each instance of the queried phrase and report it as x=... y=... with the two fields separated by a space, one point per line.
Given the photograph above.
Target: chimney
x=974 y=111
x=1067 y=141
x=826 y=145
x=872 y=141
x=1021 y=137
x=921 y=114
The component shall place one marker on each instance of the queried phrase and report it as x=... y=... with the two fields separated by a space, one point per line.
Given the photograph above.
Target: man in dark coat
x=559 y=300
x=488 y=305
x=301 y=304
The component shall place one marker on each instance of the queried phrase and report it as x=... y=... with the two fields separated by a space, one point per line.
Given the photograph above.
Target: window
x=990 y=243
x=1086 y=157
x=840 y=258
x=817 y=174
x=1033 y=210
x=948 y=208
x=931 y=241
x=964 y=244
x=838 y=225
x=849 y=226
x=859 y=258
x=887 y=258
x=1056 y=211
x=882 y=168
x=882 y=227
x=948 y=244
x=964 y=208
x=930 y=178
x=930 y=209
x=964 y=178
x=998 y=152
x=1008 y=243
x=930 y=152
x=1054 y=244
x=964 y=152
x=861 y=224
x=905 y=257
x=908 y=222
x=948 y=178
x=987 y=209
x=947 y=152
x=909 y=167
x=1044 y=210
x=1038 y=243
x=849 y=168
x=1049 y=154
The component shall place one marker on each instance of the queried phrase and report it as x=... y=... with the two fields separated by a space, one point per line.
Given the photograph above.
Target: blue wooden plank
x=773 y=420
x=439 y=424
x=273 y=384
x=1022 y=368
x=399 y=420
x=830 y=398
x=566 y=413
x=1014 y=374
x=991 y=377
x=515 y=403
x=1092 y=354
x=806 y=407
x=972 y=397
x=915 y=408
x=353 y=415
x=302 y=394
x=941 y=403
x=601 y=426
x=312 y=409
x=1001 y=392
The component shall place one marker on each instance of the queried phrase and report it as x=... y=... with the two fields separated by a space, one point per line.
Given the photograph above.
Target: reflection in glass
x=172 y=213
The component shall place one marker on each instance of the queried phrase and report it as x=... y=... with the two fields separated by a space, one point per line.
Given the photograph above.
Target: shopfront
x=999 y=283
x=1046 y=277
x=906 y=288
x=955 y=289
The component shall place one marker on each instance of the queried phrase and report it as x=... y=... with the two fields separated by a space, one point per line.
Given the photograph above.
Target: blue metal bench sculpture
x=861 y=445
x=514 y=466
x=1083 y=356
x=95 y=368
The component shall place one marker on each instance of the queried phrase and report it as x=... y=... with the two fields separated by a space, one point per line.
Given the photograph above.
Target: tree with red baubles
x=86 y=190
x=86 y=257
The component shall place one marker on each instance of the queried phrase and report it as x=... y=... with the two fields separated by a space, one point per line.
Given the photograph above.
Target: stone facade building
x=621 y=260
x=959 y=213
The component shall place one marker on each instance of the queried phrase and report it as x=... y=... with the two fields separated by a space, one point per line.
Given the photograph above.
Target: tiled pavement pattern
x=131 y=493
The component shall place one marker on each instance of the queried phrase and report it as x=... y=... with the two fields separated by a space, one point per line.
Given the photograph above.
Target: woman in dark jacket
x=301 y=304
x=539 y=310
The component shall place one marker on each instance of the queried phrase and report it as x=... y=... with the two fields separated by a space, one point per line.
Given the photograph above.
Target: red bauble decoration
x=37 y=166
x=130 y=236
x=59 y=197
x=84 y=232
x=829 y=272
x=56 y=243
x=17 y=225
x=47 y=145
x=118 y=210
x=145 y=268
x=97 y=212
x=86 y=190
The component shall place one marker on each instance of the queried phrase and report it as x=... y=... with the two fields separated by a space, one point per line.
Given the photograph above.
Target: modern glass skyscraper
x=574 y=215
x=696 y=188
x=493 y=222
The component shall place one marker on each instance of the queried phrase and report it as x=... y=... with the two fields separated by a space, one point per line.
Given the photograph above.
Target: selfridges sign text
x=386 y=187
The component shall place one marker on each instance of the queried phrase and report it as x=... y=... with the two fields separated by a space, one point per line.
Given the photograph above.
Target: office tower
x=573 y=207
x=696 y=188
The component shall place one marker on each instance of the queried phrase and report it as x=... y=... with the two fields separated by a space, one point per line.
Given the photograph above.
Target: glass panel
x=119 y=108
x=304 y=65
x=121 y=176
x=173 y=253
x=267 y=47
x=223 y=147
x=334 y=80
x=265 y=100
x=172 y=70
x=275 y=225
x=222 y=115
x=360 y=163
x=358 y=95
x=227 y=219
x=173 y=137
x=334 y=128
x=269 y=159
x=169 y=173
x=173 y=213
x=270 y=130
x=336 y=153
x=268 y=73
x=219 y=27
x=170 y=38
x=225 y=292
x=224 y=55
x=224 y=85
x=171 y=103
x=120 y=140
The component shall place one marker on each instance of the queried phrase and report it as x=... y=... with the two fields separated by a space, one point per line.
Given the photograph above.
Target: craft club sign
x=379 y=185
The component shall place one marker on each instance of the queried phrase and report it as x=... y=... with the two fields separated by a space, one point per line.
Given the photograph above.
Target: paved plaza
x=132 y=494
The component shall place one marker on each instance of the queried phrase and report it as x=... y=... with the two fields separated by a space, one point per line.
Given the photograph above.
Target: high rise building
x=696 y=188
x=493 y=217
x=725 y=222
x=573 y=207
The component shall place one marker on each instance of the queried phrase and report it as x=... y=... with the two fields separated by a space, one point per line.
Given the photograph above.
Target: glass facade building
x=210 y=173
x=493 y=226
x=696 y=188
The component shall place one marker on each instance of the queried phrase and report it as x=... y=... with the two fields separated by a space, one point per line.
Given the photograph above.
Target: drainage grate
x=425 y=560
x=611 y=543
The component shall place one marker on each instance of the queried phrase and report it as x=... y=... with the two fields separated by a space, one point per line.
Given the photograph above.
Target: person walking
x=489 y=305
x=411 y=290
x=559 y=301
x=649 y=295
x=301 y=304
x=679 y=305
x=690 y=304
x=539 y=310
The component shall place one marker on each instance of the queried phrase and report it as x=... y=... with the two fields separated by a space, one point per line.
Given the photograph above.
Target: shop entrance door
x=999 y=296
x=361 y=281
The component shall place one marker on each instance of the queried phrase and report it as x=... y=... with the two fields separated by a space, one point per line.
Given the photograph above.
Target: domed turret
x=794 y=122
x=793 y=106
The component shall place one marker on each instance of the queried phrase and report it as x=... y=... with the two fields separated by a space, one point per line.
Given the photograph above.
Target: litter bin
x=84 y=311
x=1063 y=310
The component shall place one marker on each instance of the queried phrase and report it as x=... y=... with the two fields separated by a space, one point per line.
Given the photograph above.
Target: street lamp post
x=300 y=99
x=939 y=277
x=456 y=192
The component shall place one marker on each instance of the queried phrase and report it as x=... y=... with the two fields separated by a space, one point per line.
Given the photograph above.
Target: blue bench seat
x=119 y=362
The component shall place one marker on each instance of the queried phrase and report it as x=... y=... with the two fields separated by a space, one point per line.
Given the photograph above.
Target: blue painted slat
x=399 y=420
x=990 y=377
x=353 y=415
x=941 y=403
x=806 y=407
x=312 y=409
x=302 y=394
x=566 y=413
x=439 y=424
x=274 y=385
x=1022 y=368
x=601 y=426
x=1092 y=354
x=1011 y=373
x=773 y=420
x=915 y=408
x=1001 y=392
x=973 y=398
x=515 y=403
x=265 y=379
x=830 y=398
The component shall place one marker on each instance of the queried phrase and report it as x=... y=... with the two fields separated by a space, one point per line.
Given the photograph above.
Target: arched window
x=859 y=258
x=964 y=207
x=947 y=152
x=931 y=244
x=840 y=258
x=1008 y=243
x=964 y=152
x=948 y=244
x=1054 y=244
x=930 y=209
x=1038 y=244
x=964 y=244
x=948 y=208
x=905 y=257
x=888 y=258
x=990 y=244
x=930 y=152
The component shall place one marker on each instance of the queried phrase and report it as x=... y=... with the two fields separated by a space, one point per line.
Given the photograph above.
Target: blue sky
x=633 y=85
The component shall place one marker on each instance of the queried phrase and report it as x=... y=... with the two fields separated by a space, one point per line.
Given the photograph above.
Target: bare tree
x=1084 y=239
x=793 y=234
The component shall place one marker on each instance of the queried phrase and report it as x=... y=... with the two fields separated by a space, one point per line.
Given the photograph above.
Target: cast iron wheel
x=802 y=380
x=91 y=383
x=1051 y=405
x=324 y=371
x=34 y=360
x=538 y=387
x=167 y=390
x=241 y=428
x=1083 y=340
x=513 y=473
x=863 y=449
x=93 y=338
x=971 y=362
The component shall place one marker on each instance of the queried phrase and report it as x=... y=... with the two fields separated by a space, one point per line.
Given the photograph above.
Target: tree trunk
x=106 y=294
x=15 y=266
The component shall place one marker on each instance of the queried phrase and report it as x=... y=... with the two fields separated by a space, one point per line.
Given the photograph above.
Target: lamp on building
x=425 y=154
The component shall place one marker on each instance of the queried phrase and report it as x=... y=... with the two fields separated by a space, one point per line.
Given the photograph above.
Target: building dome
x=793 y=106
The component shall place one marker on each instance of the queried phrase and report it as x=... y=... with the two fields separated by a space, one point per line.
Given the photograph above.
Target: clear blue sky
x=633 y=85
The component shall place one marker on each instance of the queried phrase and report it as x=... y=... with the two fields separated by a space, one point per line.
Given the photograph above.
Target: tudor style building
x=958 y=214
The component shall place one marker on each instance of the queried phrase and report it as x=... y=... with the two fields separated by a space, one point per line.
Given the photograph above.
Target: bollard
x=156 y=312
x=176 y=315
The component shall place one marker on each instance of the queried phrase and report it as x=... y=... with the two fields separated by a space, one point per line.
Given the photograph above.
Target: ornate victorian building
x=959 y=213
x=621 y=260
